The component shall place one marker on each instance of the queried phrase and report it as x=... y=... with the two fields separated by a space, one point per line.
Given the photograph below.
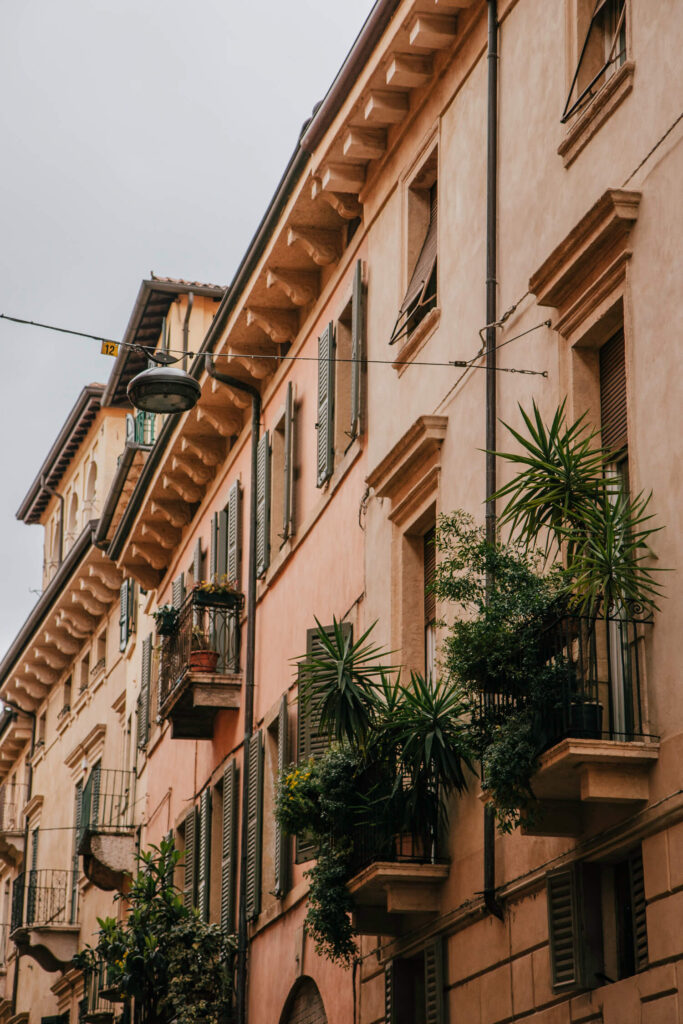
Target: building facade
x=354 y=415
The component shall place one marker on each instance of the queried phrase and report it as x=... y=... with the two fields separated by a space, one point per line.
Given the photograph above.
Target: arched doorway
x=304 y=1004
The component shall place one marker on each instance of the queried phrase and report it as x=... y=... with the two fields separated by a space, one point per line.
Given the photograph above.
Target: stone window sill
x=591 y=119
x=416 y=340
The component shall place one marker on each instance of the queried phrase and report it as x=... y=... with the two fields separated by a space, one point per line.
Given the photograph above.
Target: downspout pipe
x=60 y=497
x=242 y=936
x=490 y=902
x=186 y=327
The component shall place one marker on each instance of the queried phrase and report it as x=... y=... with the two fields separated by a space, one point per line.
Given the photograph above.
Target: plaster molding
x=33 y=807
x=90 y=748
x=401 y=474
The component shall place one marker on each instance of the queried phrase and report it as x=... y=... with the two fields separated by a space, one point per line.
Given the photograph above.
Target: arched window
x=72 y=520
x=90 y=491
x=304 y=1004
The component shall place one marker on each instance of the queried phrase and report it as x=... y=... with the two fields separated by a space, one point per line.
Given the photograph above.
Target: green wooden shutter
x=234 y=533
x=123 y=615
x=433 y=956
x=263 y=505
x=204 y=855
x=190 y=858
x=222 y=549
x=78 y=813
x=168 y=876
x=564 y=928
x=229 y=847
x=213 y=553
x=143 y=706
x=357 y=350
x=638 y=905
x=325 y=424
x=254 y=824
x=132 y=606
x=282 y=840
x=178 y=590
x=389 y=1000
x=288 y=495
x=198 y=562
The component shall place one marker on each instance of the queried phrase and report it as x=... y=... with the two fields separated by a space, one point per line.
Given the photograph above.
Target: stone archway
x=304 y=1004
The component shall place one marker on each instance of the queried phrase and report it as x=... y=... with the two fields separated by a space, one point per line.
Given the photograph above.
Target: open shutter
x=433 y=956
x=168 y=876
x=325 y=424
x=132 y=606
x=637 y=883
x=123 y=615
x=389 y=999
x=213 y=551
x=263 y=505
x=254 y=825
x=281 y=840
x=222 y=545
x=357 y=350
x=288 y=496
x=198 y=562
x=613 y=414
x=178 y=590
x=190 y=859
x=234 y=533
x=563 y=928
x=229 y=848
x=204 y=855
x=143 y=703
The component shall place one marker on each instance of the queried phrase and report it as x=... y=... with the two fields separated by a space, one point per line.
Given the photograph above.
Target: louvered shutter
x=78 y=817
x=357 y=349
x=564 y=928
x=204 y=855
x=197 y=563
x=190 y=859
x=325 y=424
x=234 y=533
x=213 y=553
x=229 y=848
x=638 y=905
x=132 y=606
x=613 y=412
x=389 y=995
x=429 y=557
x=123 y=615
x=95 y=795
x=222 y=545
x=143 y=704
x=254 y=825
x=263 y=505
x=168 y=875
x=433 y=957
x=178 y=590
x=281 y=840
x=288 y=496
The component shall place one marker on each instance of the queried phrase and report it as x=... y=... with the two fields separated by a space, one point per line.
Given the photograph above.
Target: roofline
x=89 y=393
x=47 y=599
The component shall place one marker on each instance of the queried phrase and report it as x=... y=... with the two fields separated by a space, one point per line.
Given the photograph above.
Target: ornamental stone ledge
x=52 y=946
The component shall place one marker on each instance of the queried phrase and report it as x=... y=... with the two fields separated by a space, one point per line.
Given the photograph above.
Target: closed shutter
x=637 y=882
x=429 y=553
x=563 y=928
x=325 y=424
x=229 y=848
x=189 y=882
x=281 y=840
x=132 y=606
x=389 y=998
x=234 y=534
x=198 y=563
x=204 y=855
x=357 y=350
x=95 y=796
x=143 y=704
x=288 y=496
x=178 y=590
x=78 y=817
x=613 y=413
x=254 y=825
x=123 y=615
x=168 y=875
x=433 y=956
x=263 y=505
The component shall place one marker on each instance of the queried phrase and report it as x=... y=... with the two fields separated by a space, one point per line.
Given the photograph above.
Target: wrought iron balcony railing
x=595 y=681
x=206 y=622
x=40 y=897
x=108 y=802
x=12 y=802
x=95 y=1006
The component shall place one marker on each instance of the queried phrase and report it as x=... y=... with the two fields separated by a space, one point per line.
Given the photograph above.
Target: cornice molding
x=412 y=461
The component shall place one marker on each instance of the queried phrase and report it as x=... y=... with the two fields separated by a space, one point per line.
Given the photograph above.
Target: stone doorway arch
x=304 y=1004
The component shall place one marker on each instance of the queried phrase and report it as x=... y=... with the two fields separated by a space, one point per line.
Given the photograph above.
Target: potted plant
x=219 y=591
x=166 y=619
x=203 y=658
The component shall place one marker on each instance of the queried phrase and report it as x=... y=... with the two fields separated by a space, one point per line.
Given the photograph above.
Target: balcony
x=106 y=839
x=43 y=917
x=199 y=664
x=595 y=750
x=398 y=880
x=12 y=802
x=97 y=1008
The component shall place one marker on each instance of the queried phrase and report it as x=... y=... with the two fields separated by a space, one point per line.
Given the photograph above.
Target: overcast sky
x=136 y=135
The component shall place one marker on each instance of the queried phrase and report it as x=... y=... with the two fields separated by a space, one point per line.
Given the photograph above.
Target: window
x=597 y=922
x=42 y=728
x=601 y=26
x=84 y=673
x=225 y=553
x=127 y=612
x=203 y=866
x=422 y=237
x=66 y=698
x=229 y=847
x=282 y=475
x=276 y=844
x=143 y=703
x=414 y=986
x=254 y=810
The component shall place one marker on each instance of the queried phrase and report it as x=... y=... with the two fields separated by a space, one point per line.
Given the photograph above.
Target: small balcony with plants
x=106 y=838
x=12 y=802
x=44 y=916
x=199 y=659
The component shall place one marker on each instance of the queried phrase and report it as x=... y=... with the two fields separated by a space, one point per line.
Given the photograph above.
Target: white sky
x=135 y=135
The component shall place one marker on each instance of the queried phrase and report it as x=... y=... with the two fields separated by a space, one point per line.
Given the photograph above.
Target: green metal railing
x=108 y=802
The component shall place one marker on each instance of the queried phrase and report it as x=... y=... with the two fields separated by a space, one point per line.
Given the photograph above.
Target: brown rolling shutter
x=189 y=882
x=229 y=848
x=563 y=928
x=282 y=840
x=254 y=825
x=613 y=413
x=637 y=882
x=433 y=956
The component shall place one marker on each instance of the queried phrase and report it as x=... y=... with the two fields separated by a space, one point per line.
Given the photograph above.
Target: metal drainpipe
x=490 y=902
x=186 y=327
x=242 y=939
x=60 y=497
x=29 y=790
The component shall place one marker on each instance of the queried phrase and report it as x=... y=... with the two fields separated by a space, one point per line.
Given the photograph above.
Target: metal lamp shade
x=164 y=389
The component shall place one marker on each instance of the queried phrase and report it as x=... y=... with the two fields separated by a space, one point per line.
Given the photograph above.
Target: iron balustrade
x=213 y=617
x=108 y=802
x=594 y=669
x=12 y=802
x=95 y=983
x=39 y=897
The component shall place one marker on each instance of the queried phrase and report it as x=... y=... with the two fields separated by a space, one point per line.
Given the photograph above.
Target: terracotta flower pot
x=203 y=661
